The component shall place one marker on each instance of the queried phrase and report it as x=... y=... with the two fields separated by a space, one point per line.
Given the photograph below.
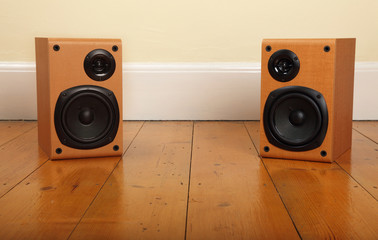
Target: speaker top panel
x=80 y=40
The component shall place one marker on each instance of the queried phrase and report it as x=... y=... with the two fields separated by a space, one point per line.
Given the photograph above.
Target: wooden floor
x=186 y=180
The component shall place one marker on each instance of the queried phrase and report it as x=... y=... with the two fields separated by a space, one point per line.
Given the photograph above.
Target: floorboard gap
x=190 y=170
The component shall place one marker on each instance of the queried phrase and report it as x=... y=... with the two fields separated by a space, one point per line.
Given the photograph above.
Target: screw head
x=58 y=150
x=56 y=47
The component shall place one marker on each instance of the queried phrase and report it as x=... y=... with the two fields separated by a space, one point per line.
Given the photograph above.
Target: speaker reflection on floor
x=306 y=98
x=79 y=93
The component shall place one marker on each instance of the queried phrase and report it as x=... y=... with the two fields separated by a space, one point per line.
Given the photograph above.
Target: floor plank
x=367 y=128
x=12 y=129
x=231 y=195
x=322 y=199
x=146 y=196
x=362 y=162
x=18 y=158
x=50 y=202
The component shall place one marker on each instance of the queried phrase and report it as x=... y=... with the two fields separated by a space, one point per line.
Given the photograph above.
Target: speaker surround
x=79 y=95
x=306 y=98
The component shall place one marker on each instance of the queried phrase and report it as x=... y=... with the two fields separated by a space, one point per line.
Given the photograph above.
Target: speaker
x=79 y=97
x=306 y=98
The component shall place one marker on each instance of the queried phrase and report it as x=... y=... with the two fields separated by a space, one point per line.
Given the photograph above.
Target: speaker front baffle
x=306 y=98
x=79 y=95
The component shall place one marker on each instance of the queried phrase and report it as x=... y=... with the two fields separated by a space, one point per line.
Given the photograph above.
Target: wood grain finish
x=361 y=162
x=343 y=87
x=322 y=199
x=330 y=73
x=231 y=195
x=61 y=70
x=368 y=129
x=11 y=129
x=44 y=110
x=146 y=196
x=19 y=158
x=50 y=202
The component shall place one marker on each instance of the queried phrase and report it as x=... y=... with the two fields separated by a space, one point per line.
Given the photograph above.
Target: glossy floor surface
x=186 y=180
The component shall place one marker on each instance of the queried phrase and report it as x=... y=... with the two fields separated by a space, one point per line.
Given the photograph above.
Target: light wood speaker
x=79 y=95
x=306 y=98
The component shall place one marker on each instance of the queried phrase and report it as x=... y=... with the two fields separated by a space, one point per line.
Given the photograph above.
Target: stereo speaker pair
x=306 y=98
x=79 y=96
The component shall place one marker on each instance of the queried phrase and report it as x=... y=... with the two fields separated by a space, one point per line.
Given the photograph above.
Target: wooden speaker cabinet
x=306 y=98
x=79 y=95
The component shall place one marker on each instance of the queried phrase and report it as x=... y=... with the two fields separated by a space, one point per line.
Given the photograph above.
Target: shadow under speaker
x=306 y=98
x=79 y=96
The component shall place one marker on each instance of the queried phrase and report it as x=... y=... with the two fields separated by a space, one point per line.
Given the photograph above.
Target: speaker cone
x=283 y=65
x=99 y=65
x=295 y=118
x=86 y=117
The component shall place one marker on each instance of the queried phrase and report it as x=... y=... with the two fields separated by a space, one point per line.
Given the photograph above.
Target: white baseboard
x=181 y=91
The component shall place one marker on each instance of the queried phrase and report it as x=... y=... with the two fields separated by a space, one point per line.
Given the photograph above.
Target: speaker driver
x=99 y=65
x=295 y=118
x=86 y=117
x=283 y=65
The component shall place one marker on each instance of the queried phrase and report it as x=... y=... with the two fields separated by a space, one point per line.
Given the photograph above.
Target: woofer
x=295 y=118
x=99 y=65
x=86 y=117
x=283 y=65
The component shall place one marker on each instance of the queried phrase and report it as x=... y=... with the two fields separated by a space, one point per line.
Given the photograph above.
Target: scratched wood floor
x=186 y=180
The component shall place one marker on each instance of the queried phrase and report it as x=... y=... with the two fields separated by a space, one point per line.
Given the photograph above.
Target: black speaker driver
x=283 y=65
x=99 y=65
x=86 y=117
x=295 y=118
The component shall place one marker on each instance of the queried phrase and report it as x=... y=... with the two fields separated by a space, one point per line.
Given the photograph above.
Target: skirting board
x=180 y=91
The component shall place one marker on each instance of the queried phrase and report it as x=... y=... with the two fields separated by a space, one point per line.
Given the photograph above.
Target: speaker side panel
x=343 y=100
x=43 y=94
x=317 y=71
x=67 y=71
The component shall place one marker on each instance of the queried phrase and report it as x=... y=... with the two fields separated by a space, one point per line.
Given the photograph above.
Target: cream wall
x=187 y=31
